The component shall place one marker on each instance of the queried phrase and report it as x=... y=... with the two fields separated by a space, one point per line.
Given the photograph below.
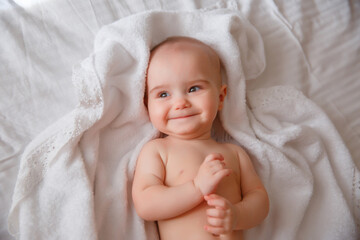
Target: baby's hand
x=221 y=216
x=210 y=173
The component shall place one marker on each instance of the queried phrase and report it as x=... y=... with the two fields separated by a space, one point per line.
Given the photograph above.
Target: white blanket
x=75 y=178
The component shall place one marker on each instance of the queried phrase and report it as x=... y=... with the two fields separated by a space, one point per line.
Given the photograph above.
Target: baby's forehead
x=167 y=50
x=175 y=45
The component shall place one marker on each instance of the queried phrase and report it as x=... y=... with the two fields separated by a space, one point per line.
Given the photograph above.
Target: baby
x=195 y=187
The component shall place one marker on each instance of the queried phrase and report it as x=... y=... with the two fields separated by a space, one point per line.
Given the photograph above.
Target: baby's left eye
x=194 y=89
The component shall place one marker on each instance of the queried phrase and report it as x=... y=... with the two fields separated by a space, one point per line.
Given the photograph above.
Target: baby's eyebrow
x=205 y=81
x=157 y=88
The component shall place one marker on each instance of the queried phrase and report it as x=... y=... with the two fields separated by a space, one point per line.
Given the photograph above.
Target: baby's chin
x=188 y=135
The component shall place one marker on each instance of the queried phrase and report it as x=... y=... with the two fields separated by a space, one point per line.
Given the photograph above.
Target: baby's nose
x=181 y=103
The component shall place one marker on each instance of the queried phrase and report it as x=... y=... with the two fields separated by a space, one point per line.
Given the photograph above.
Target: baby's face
x=184 y=90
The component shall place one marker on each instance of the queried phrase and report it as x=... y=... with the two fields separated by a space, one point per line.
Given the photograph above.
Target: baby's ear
x=222 y=95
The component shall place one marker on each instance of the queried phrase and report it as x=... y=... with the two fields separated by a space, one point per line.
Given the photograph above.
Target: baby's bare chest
x=182 y=165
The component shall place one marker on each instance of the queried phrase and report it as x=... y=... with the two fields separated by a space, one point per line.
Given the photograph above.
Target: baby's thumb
x=214 y=156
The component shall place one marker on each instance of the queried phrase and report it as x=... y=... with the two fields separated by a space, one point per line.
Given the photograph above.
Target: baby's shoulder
x=235 y=149
x=154 y=144
x=155 y=147
x=229 y=146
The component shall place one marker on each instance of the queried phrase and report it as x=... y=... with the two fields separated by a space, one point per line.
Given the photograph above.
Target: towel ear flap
x=251 y=47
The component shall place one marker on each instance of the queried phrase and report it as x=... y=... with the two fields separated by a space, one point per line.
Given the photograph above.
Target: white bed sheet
x=312 y=45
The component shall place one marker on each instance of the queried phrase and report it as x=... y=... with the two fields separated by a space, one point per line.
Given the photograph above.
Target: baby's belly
x=190 y=226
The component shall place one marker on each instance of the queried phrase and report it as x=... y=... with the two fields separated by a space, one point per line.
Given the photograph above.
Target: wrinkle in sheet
x=351 y=127
x=38 y=48
x=13 y=54
x=68 y=44
x=11 y=141
x=36 y=55
x=110 y=9
x=27 y=68
x=331 y=42
x=74 y=5
x=303 y=10
x=307 y=87
x=356 y=196
x=125 y=8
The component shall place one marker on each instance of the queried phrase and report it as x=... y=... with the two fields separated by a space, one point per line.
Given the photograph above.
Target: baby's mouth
x=182 y=116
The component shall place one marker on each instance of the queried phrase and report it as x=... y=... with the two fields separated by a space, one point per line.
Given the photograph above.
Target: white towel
x=75 y=178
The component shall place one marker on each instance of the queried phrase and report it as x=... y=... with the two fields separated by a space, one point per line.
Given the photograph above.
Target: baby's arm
x=254 y=207
x=155 y=201
x=223 y=216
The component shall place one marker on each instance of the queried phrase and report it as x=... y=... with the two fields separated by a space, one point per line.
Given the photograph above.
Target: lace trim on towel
x=68 y=130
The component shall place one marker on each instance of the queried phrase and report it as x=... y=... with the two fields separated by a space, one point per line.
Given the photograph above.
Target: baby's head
x=183 y=88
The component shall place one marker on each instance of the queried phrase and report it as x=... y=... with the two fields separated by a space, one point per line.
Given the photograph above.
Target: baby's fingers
x=216 y=222
x=214 y=230
x=216 y=201
x=215 y=212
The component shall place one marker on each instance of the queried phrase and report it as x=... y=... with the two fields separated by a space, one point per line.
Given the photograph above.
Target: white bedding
x=311 y=45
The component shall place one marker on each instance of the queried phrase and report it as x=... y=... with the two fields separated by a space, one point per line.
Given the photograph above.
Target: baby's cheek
x=155 y=118
x=155 y=112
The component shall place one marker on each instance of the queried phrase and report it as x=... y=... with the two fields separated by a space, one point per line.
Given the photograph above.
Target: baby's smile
x=183 y=116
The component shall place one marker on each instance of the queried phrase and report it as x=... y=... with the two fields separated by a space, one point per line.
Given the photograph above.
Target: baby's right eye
x=163 y=94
